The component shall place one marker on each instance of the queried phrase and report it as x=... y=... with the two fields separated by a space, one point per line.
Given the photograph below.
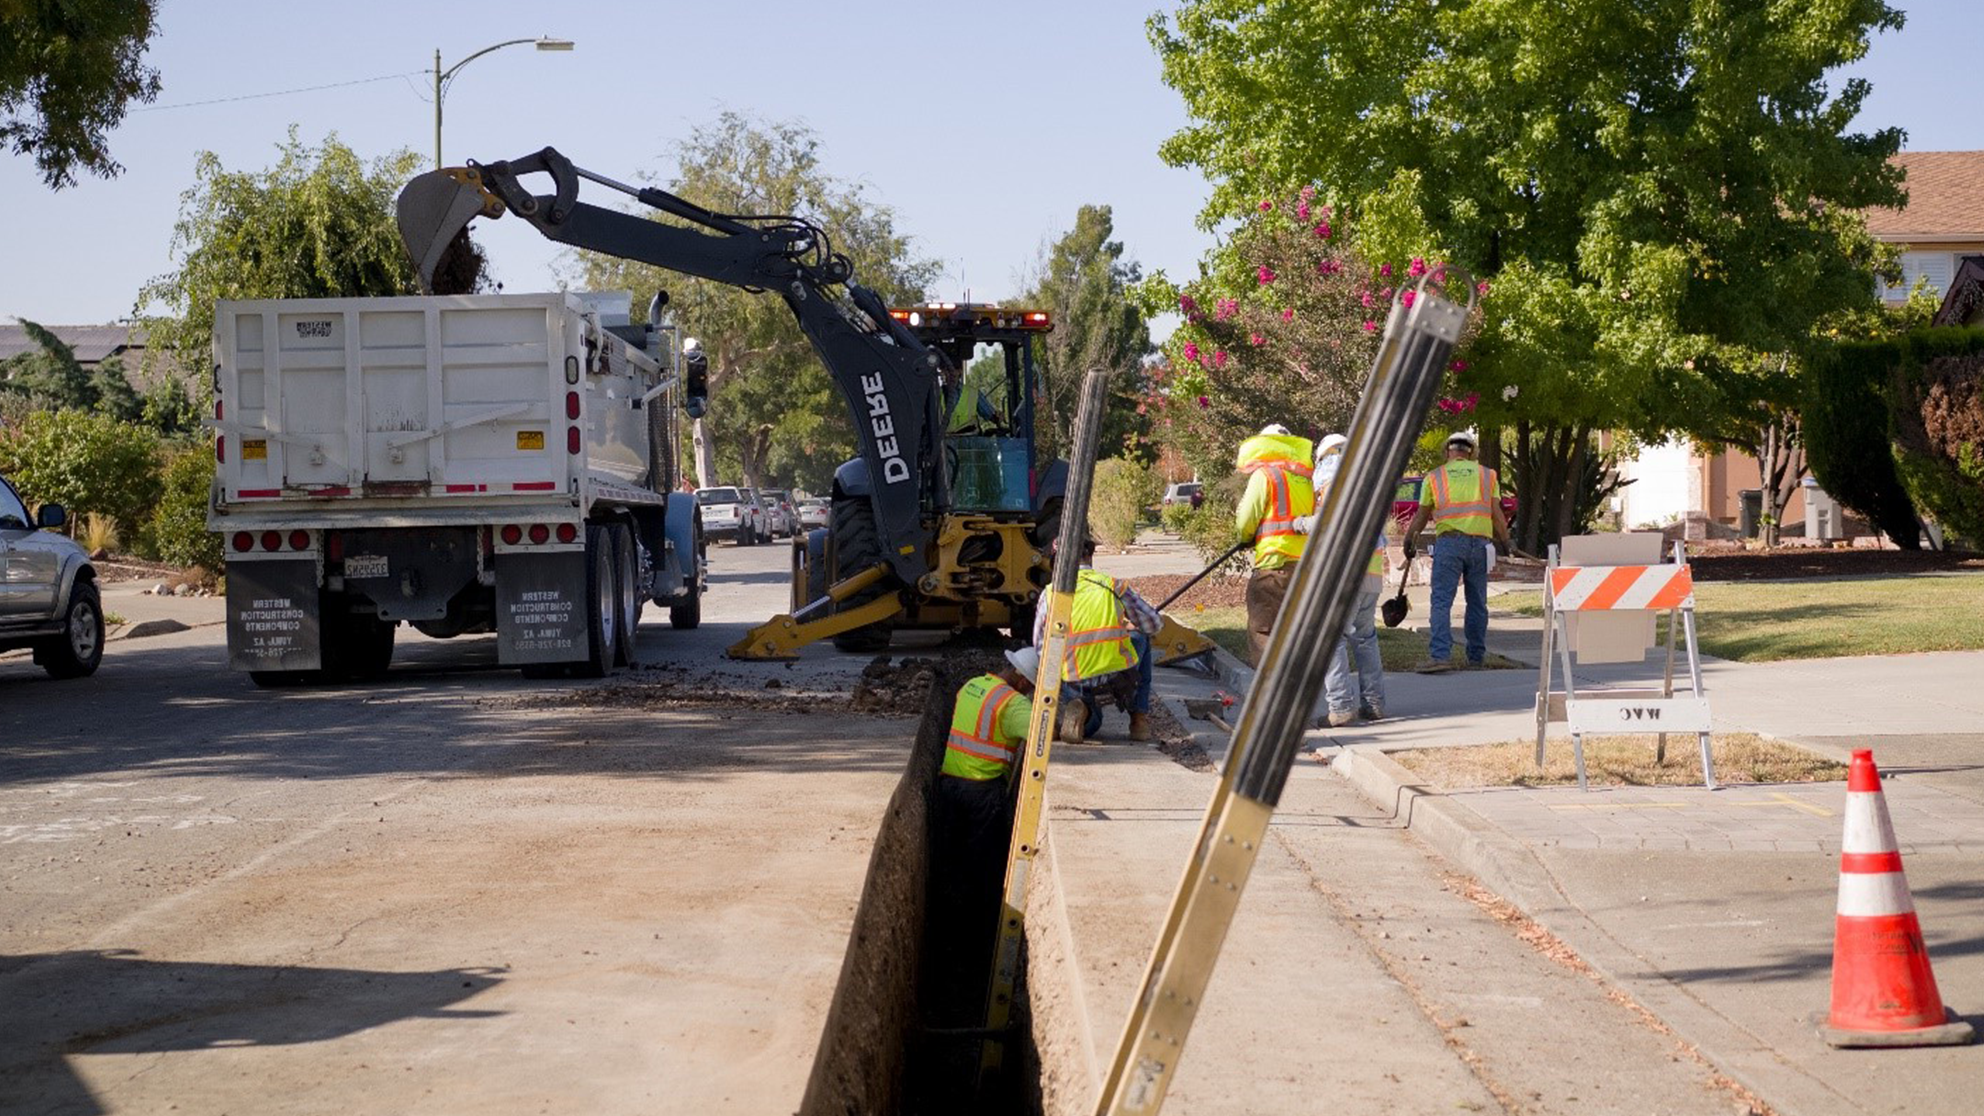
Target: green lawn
x=1764 y=621
x=1402 y=649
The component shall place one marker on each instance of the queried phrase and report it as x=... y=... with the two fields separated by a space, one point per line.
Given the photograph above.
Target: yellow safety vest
x=1461 y=491
x=976 y=749
x=1283 y=462
x=1098 y=639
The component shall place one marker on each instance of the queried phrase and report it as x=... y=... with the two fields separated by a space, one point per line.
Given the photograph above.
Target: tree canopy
x=1086 y=283
x=319 y=224
x=775 y=414
x=68 y=71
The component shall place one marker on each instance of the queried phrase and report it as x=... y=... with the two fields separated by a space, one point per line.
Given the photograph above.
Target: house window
x=1935 y=268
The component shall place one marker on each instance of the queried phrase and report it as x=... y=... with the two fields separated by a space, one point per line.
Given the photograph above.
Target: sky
x=984 y=126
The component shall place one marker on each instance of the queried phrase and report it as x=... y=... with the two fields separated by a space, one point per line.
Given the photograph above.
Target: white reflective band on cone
x=1873 y=894
x=1868 y=829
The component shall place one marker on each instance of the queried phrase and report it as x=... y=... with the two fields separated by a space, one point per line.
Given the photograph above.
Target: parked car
x=1186 y=492
x=1405 y=502
x=813 y=513
x=48 y=594
x=731 y=513
x=766 y=524
x=784 y=518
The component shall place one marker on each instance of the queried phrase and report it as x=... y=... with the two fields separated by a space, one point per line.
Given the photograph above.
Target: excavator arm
x=890 y=379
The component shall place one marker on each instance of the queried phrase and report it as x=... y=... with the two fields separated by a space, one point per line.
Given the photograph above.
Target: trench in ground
x=905 y=1030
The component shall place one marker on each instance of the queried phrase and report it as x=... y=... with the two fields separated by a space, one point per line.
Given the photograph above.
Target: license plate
x=365 y=565
x=530 y=439
x=255 y=449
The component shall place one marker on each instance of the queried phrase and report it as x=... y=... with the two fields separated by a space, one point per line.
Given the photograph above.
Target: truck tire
x=857 y=546
x=602 y=607
x=688 y=615
x=365 y=651
x=626 y=572
x=77 y=651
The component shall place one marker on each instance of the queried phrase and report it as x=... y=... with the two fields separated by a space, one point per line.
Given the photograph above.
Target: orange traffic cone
x=1883 y=993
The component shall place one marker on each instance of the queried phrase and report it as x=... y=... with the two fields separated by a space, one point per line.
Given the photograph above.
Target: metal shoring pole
x=1695 y=676
x=1667 y=681
x=1543 y=661
x=1410 y=361
x=1570 y=693
x=1024 y=845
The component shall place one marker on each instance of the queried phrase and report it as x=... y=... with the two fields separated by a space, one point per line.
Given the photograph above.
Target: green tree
x=50 y=376
x=177 y=531
x=87 y=462
x=1085 y=282
x=775 y=415
x=1646 y=189
x=319 y=224
x=68 y=71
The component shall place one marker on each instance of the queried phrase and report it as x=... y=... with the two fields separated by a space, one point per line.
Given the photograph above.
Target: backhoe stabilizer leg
x=782 y=636
x=1175 y=644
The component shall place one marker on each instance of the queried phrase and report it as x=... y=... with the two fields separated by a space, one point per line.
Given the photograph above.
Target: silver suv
x=48 y=595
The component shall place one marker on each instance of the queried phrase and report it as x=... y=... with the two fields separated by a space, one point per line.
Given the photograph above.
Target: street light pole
x=443 y=77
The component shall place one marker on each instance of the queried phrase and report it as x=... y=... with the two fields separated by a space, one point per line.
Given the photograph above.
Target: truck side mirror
x=48 y=517
x=695 y=383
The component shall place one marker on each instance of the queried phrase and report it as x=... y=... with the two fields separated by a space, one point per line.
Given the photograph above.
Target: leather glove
x=1304 y=524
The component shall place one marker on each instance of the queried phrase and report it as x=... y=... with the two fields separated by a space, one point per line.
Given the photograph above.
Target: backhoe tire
x=857 y=546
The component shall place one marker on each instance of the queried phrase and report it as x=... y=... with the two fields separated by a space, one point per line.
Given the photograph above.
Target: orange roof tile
x=1945 y=197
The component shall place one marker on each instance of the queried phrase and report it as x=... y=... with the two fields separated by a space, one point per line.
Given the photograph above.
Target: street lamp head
x=548 y=43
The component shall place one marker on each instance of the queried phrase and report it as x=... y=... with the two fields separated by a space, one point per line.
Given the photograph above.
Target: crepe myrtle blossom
x=1226 y=308
x=1192 y=351
x=1186 y=304
x=1288 y=313
x=1458 y=366
x=1417 y=269
x=1256 y=339
x=1267 y=205
x=1370 y=326
x=1204 y=402
x=1323 y=231
x=1265 y=274
x=1302 y=211
x=1407 y=298
x=1368 y=300
x=1481 y=287
x=1218 y=359
x=1385 y=270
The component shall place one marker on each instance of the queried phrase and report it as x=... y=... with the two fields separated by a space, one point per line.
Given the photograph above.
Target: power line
x=279 y=92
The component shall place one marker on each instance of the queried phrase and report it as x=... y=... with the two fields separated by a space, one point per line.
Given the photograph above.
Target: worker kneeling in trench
x=973 y=825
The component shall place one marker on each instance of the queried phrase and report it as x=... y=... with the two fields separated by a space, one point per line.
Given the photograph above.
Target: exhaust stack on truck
x=459 y=463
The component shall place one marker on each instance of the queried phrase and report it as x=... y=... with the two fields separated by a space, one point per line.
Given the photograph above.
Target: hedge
x=1937 y=396
x=1846 y=431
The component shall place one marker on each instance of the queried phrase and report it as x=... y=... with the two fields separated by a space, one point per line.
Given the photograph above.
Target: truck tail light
x=512 y=534
x=567 y=532
x=572 y=439
x=272 y=540
x=572 y=405
x=244 y=541
x=539 y=533
x=299 y=540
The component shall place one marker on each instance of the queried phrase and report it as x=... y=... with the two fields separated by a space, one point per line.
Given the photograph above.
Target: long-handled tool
x=1417 y=342
x=1393 y=611
x=1201 y=575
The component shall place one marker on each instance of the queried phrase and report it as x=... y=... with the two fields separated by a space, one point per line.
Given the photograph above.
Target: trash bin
x=1822 y=520
x=1749 y=511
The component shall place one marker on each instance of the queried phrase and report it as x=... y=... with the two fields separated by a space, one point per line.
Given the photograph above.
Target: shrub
x=177 y=531
x=1210 y=528
x=88 y=462
x=1846 y=432
x=1123 y=489
x=1938 y=406
x=98 y=534
x=1175 y=517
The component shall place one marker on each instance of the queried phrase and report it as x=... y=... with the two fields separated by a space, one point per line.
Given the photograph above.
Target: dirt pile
x=1217 y=591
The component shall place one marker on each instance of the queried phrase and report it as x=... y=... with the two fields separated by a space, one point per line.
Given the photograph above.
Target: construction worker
x=1277 y=465
x=1464 y=502
x=1354 y=681
x=972 y=815
x=1108 y=651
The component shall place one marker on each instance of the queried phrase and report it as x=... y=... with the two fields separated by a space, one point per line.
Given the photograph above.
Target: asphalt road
x=453 y=891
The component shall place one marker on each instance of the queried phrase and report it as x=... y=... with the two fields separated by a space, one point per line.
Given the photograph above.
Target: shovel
x=1200 y=576
x=1393 y=611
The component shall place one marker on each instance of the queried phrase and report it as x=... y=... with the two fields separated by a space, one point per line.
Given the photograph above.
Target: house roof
x=92 y=343
x=1945 y=198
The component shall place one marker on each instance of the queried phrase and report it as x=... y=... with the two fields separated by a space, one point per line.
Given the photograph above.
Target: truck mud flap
x=541 y=608
x=273 y=620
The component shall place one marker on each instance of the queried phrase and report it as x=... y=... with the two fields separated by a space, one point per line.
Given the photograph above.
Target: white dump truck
x=460 y=463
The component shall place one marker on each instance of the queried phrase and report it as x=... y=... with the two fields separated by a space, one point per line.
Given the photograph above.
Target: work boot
x=1140 y=727
x=1372 y=712
x=1433 y=666
x=1074 y=719
x=1342 y=718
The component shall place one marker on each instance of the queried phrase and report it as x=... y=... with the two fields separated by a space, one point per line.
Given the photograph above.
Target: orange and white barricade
x=1584 y=590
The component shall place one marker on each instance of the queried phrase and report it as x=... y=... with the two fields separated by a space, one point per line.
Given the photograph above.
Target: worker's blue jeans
x=1356 y=674
x=1139 y=700
x=1459 y=561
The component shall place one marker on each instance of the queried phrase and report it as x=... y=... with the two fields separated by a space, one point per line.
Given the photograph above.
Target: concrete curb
x=1509 y=868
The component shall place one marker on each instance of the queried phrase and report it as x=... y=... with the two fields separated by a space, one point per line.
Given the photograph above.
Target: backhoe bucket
x=434 y=209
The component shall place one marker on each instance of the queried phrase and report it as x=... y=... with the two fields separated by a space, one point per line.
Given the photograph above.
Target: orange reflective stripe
x=1281 y=517
x=988 y=713
x=983 y=749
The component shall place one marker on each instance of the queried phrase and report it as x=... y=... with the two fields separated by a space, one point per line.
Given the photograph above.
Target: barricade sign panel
x=1572 y=591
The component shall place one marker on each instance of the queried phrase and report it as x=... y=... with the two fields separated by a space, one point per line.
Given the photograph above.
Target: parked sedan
x=778 y=508
x=813 y=513
x=48 y=594
x=730 y=513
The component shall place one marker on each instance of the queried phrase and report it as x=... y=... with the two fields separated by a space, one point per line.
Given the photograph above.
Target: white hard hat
x=1276 y=429
x=1463 y=437
x=1026 y=660
x=1330 y=442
